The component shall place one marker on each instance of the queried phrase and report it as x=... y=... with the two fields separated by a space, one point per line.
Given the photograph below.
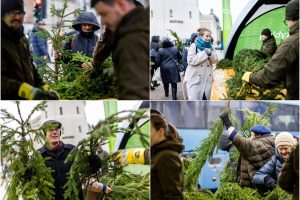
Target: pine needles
x=80 y=172
x=252 y=61
x=26 y=173
x=204 y=152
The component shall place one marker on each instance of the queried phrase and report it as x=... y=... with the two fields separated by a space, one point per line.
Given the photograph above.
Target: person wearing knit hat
x=284 y=65
x=56 y=153
x=268 y=42
x=266 y=177
x=254 y=151
x=19 y=77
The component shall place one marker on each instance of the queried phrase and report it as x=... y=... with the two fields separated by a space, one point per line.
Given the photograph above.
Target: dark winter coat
x=165 y=59
x=269 y=46
x=166 y=171
x=16 y=63
x=254 y=153
x=39 y=45
x=226 y=145
x=131 y=55
x=271 y=169
x=284 y=66
x=184 y=57
x=57 y=163
x=288 y=178
x=84 y=42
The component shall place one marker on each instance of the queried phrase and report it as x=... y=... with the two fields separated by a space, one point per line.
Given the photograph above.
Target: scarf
x=201 y=44
x=57 y=147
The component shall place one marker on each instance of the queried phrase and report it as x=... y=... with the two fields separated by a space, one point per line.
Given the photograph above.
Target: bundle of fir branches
x=124 y=184
x=65 y=74
x=205 y=151
x=252 y=61
x=25 y=172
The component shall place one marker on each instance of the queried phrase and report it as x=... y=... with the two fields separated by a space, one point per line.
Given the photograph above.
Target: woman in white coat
x=199 y=73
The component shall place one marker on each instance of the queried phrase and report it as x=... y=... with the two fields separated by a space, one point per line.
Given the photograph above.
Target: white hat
x=284 y=138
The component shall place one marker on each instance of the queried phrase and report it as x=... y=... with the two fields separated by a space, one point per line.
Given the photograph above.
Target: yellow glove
x=130 y=156
x=48 y=89
x=246 y=76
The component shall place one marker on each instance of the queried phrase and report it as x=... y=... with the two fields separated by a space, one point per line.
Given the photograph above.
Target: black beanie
x=292 y=10
x=266 y=32
x=10 y=5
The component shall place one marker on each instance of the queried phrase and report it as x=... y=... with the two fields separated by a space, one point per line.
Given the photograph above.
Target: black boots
x=174 y=91
x=166 y=87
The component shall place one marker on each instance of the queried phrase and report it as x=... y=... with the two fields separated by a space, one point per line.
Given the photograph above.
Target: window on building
x=60 y=110
x=77 y=109
x=171 y=13
x=151 y=13
x=190 y=14
x=79 y=128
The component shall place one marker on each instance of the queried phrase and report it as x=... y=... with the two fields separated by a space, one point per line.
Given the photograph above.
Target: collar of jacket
x=167 y=144
x=294 y=29
x=44 y=149
x=10 y=33
x=129 y=23
x=271 y=38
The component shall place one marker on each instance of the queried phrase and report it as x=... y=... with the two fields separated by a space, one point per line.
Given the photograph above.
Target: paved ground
x=159 y=93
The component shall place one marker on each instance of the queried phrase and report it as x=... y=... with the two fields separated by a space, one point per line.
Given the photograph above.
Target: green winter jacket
x=269 y=46
x=130 y=54
x=16 y=63
x=254 y=153
x=166 y=171
x=288 y=179
x=283 y=67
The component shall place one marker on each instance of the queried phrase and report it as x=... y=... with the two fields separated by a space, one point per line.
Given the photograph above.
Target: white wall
x=180 y=22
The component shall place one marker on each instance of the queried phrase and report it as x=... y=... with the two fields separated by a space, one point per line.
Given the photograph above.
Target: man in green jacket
x=130 y=45
x=284 y=65
x=19 y=77
x=254 y=151
x=268 y=42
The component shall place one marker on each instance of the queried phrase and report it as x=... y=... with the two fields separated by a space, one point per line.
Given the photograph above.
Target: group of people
x=126 y=25
x=265 y=161
x=197 y=60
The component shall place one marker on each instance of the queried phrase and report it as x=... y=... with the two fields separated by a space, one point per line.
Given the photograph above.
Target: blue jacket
x=271 y=168
x=39 y=44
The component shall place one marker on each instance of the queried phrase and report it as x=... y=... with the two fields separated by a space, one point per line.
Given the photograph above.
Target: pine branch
x=205 y=150
x=80 y=172
x=26 y=173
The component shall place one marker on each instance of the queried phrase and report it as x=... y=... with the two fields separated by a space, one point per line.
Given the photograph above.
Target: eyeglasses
x=17 y=12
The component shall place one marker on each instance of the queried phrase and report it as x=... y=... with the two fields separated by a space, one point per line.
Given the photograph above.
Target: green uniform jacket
x=288 y=179
x=284 y=66
x=254 y=153
x=269 y=46
x=131 y=55
x=16 y=64
x=166 y=171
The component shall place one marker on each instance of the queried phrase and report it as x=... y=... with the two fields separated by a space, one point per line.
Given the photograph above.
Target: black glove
x=95 y=163
x=226 y=121
x=207 y=51
x=270 y=182
x=39 y=94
